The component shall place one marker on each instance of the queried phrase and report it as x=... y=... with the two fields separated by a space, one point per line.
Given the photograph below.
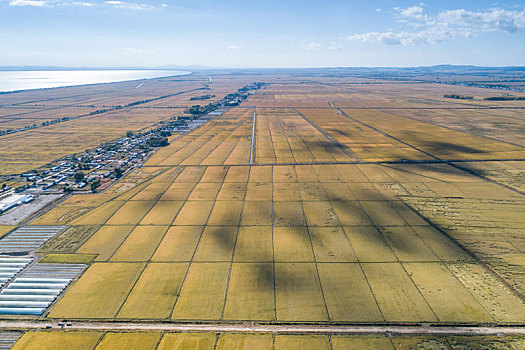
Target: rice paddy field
x=169 y=97
x=225 y=341
x=311 y=203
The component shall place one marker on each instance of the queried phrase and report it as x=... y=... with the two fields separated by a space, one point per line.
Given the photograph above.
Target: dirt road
x=268 y=328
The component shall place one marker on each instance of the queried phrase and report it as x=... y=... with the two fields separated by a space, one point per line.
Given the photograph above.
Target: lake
x=24 y=80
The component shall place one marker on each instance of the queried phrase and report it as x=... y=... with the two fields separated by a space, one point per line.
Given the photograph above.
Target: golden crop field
x=311 y=203
x=56 y=340
x=303 y=260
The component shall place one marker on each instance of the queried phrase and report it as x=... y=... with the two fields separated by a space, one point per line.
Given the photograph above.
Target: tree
x=129 y=133
x=118 y=173
x=94 y=185
x=79 y=176
x=157 y=141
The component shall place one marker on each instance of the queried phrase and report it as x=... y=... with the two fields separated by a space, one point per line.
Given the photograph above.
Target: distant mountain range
x=443 y=68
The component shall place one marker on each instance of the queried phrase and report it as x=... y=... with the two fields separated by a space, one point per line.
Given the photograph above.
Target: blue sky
x=264 y=33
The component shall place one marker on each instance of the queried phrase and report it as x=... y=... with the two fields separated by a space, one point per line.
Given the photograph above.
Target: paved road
x=262 y=328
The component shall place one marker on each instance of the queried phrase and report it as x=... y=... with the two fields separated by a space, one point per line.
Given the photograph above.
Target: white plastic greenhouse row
x=9 y=267
x=27 y=239
x=31 y=292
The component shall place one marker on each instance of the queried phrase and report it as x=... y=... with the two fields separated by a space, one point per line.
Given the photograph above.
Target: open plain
x=318 y=201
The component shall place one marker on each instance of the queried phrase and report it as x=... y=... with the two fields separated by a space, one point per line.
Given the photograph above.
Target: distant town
x=98 y=168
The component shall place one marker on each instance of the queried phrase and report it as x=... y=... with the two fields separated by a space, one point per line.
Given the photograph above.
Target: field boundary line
x=466 y=250
x=330 y=138
x=172 y=309
x=453 y=129
x=379 y=162
x=386 y=108
x=449 y=162
x=253 y=135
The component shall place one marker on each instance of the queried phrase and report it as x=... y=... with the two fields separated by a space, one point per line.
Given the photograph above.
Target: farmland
x=208 y=341
x=316 y=201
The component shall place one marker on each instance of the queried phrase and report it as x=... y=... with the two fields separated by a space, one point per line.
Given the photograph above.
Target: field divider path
x=98 y=112
x=253 y=136
x=451 y=128
x=267 y=328
x=379 y=162
x=330 y=138
x=381 y=107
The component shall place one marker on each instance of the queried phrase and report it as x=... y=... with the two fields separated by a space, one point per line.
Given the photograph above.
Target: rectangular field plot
x=298 y=293
x=226 y=213
x=179 y=244
x=288 y=214
x=320 y=214
x=338 y=191
x=292 y=244
x=237 y=174
x=347 y=293
x=100 y=291
x=214 y=174
x=132 y=341
x=98 y=216
x=330 y=244
x=398 y=298
x=197 y=341
x=105 y=241
x=130 y=213
x=203 y=293
x=194 y=213
x=53 y=340
x=216 y=244
x=490 y=292
x=448 y=298
x=382 y=213
x=250 y=292
x=375 y=342
x=204 y=191
x=441 y=245
x=299 y=342
x=177 y=191
x=245 y=341
x=140 y=244
x=407 y=245
x=259 y=191
x=257 y=213
x=351 y=213
x=286 y=191
x=254 y=244
x=159 y=284
x=232 y=191
x=162 y=213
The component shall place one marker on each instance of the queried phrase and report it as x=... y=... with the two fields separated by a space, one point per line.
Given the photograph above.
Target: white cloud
x=412 y=12
x=446 y=25
x=82 y=4
x=112 y=3
x=35 y=3
x=129 y=5
x=310 y=46
x=136 y=51
x=334 y=45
